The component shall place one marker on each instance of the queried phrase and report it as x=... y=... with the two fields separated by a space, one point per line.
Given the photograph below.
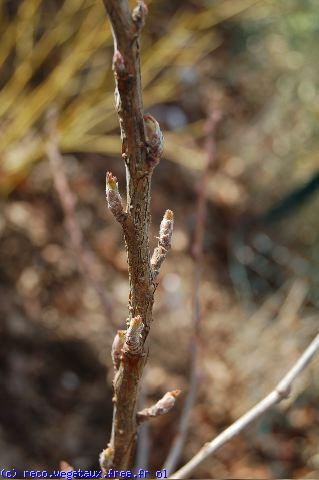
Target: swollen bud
x=164 y=242
x=113 y=198
x=133 y=338
x=154 y=139
x=166 y=229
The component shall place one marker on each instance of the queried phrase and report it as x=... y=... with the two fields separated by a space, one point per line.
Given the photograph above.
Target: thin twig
x=182 y=428
x=85 y=255
x=281 y=391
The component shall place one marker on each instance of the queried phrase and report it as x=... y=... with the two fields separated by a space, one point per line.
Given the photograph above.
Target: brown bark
x=139 y=160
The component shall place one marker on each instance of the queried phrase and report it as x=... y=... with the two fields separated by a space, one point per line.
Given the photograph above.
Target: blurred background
x=64 y=288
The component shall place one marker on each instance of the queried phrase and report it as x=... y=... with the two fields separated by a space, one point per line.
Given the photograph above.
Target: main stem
x=129 y=105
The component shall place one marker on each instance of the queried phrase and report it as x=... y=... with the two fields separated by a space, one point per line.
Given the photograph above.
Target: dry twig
x=281 y=392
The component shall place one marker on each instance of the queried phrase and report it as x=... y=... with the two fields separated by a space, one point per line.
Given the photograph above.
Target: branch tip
x=169 y=215
x=111 y=181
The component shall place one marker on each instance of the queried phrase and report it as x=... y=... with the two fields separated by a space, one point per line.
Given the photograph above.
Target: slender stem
x=281 y=391
x=140 y=157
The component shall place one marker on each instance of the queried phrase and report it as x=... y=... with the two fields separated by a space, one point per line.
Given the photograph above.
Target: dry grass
x=63 y=57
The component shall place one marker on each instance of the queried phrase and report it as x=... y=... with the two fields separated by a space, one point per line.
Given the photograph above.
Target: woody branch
x=142 y=145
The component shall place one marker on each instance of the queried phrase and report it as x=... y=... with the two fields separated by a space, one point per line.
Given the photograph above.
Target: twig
x=142 y=147
x=85 y=255
x=182 y=428
x=281 y=391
